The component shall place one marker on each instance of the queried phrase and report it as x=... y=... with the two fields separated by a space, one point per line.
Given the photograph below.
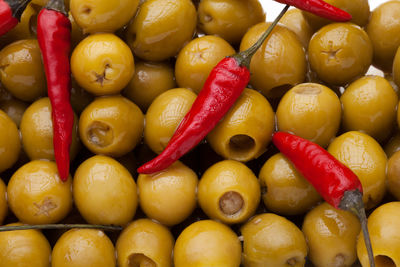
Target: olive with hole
x=229 y=192
x=102 y=15
x=111 y=126
x=331 y=235
x=311 y=111
x=279 y=63
x=24 y=248
x=15 y=109
x=284 y=190
x=196 y=60
x=145 y=243
x=37 y=195
x=246 y=130
x=21 y=70
x=295 y=21
x=393 y=145
x=161 y=28
x=3 y=201
x=102 y=64
x=370 y=105
x=272 y=240
x=104 y=191
x=10 y=144
x=150 y=80
x=83 y=248
x=340 y=53
x=383 y=29
x=164 y=115
x=37 y=131
x=366 y=158
x=393 y=175
x=384 y=230
x=207 y=243
x=396 y=68
x=229 y=19
x=161 y=193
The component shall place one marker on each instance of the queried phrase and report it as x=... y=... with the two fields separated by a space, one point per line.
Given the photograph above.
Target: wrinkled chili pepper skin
x=319 y=8
x=7 y=20
x=222 y=88
x=329 y=176
x=54 y=36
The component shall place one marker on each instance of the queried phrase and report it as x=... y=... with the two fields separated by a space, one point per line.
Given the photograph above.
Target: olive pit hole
x=308 y=89
x=240 y=146
x=339 y=260
x=86 y=10
x=292 y=261
x=384 y=261
x=231 y=203
x=208 y=18
x=140 y=260
x=100 y=134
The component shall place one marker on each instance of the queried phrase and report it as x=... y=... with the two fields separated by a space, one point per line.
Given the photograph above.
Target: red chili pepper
x=54 y=36
x=222 y=88
x=319 y=8
x=335 y=182
x=10 y=14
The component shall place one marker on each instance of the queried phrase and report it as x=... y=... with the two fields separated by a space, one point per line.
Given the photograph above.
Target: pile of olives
x=137 y=67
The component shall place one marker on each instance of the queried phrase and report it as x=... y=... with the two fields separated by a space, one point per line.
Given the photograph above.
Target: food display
x=161 y=133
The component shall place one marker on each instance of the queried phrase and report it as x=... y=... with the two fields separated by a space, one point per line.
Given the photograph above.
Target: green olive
x=295 y=21
x=10 y=144
x=396 y=68
x=15 y=109
x=393 y=175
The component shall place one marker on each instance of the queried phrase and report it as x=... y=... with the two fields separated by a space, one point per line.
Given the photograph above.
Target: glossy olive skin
x=164 y=115
x=161 y=193
x=15 y=109
x=207 y=243
x=393 y=175
x=150 y=80
x=196 y=60
x=83 y=248
x=383 y=227
x=340 y=53
x=229 y=19
x=102 y=15
x=331 y=235
x=161 y=28
x=22 y=71
x=3 y=201
x=37 y=195
x=384 y=31
x=313 y=105
x=366 y=158
x=37 y=131
x=24 y=248
x=396 y=68
x=111 y=126
x=229 y=192
x=145 y=243
x=393 y=145
x=102 y=64
x=272 y=240
x=10 y=143
x=370 y=105
x=295 y=21
x=286 y=191
x=246 y=130
x=269 y=74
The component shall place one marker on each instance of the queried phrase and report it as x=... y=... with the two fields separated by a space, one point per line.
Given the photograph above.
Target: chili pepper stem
x=243 y=58
x=18 y=7
x=57 y=5
x=59 y=226
x=352 y=201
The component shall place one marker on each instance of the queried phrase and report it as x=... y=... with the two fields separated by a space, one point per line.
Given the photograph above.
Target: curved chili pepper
x=319 y=8
x=10 y=14
x=335 y=182
x=54 y=36
x=222 y=88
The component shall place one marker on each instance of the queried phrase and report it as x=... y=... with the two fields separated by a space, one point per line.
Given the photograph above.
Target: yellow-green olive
x=295 y=21
x=196 y=60
x=111 y=125
x=393 y=175
x=311 y=111
x=145 y=243
x=3 y=201
x=150 y=80
x=366 y=158
x=15 y=109
x=246 y=130
x=161 y=28
x=340 y=53
x=207 y=243
x=37 y=195
x=21 y=70
x=229 y=192
x=10 y=144
x=280 y=62
x=370 y=105
x=229 y=19
x=284 y=190
x=164 y=116
x=396 y=68
x=102 y=15
x=272 y=240
x=393 y=145
x=102 y=64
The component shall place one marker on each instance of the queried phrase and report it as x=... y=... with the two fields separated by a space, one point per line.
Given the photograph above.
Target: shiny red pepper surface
x=7 y=20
